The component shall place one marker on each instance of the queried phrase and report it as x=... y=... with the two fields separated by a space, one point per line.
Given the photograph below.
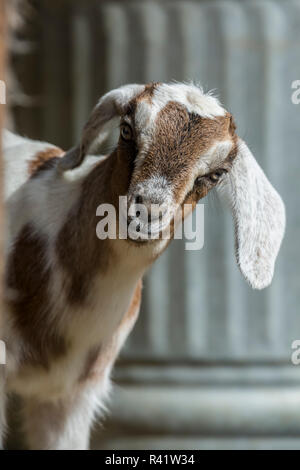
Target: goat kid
x=72 y=299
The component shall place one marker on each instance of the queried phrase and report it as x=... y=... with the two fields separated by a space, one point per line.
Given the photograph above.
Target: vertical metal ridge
x=203 y=333
x=115 y=29
x=274 y=34
x=234 y=66
x=81 y=72
x=196 y=305
x=154 y=22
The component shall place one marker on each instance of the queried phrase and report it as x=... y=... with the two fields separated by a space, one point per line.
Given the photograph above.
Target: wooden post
x=2 y=105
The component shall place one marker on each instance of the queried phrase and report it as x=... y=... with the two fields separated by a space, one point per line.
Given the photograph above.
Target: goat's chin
x=144 y=241
x=139 y=242
x=151 y=248
x=152 y=236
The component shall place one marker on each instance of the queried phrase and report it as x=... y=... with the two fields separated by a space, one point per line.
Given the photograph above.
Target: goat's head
x=181 y=143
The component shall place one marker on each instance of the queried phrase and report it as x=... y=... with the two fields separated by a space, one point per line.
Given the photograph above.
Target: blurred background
x=209 y=362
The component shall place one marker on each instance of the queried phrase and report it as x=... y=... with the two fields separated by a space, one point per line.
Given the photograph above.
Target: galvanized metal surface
x=197 y=309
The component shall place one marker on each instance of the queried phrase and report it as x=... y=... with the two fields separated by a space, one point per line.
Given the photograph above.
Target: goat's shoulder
x=23 y=158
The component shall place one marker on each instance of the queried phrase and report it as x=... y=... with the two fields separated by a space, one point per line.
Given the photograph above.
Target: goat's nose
x=147 y=207
x=138 y=199
x=147 y=200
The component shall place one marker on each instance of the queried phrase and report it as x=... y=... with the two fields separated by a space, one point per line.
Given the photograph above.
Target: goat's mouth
x=142 y=232
x=145 y=223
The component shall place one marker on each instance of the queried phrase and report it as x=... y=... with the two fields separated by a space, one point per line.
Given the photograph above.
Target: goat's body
x=70 y=298
x=91 y=331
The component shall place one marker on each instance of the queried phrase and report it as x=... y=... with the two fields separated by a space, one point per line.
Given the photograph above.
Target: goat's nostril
x=138 y=199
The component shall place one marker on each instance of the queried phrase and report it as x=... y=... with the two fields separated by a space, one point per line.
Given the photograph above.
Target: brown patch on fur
x=42 y=159
x=147 y=94
x=99 y=117
x=28 y=277
x=232 y=126
x=179 y=140
x=79 y=251
x=131 y=314
x=100 y=359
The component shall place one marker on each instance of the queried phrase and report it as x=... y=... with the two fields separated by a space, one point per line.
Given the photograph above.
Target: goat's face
x=179 y=144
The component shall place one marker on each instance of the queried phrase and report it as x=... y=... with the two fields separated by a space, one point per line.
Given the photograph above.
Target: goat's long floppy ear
x=259 y=217
x=96 y=129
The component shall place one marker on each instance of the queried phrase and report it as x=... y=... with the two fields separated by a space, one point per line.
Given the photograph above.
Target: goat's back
x=21 y=158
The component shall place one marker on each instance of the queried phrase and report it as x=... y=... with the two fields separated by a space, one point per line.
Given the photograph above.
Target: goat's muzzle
x=146 y=217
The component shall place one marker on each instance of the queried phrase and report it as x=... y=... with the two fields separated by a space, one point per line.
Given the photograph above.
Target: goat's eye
x=216 y=175
x=126 y=132
x=198 y=181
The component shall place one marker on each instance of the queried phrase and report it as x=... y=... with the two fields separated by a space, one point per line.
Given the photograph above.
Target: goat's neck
x=87 y=254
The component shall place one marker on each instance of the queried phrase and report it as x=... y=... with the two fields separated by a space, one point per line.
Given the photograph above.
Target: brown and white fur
x=72 y=299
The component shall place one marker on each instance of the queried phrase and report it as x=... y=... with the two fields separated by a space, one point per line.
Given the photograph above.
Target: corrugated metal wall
x=209 y=361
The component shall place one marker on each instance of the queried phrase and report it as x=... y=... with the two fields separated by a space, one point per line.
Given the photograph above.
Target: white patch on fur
x=64 y=424
x=36 y=202
x=45 y=202
x=212 y=159
x=109 y=108
x=18 y=152
x=158 y=199
x=77 y=174
x=84 y=327
x=188 y=95
x=259 y=217
x=156 y=189
x=121 y=96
